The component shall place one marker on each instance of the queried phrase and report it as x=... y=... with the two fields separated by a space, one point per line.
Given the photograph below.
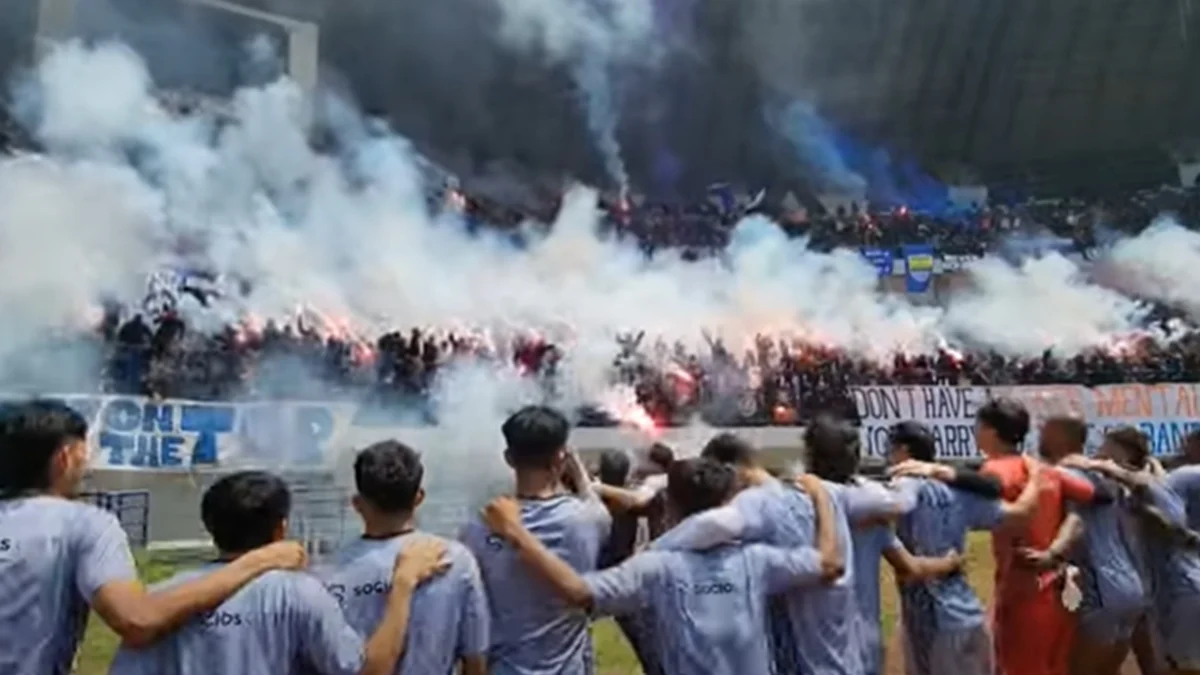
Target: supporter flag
x=721 y=196
x=918 y=267
x=881 y=259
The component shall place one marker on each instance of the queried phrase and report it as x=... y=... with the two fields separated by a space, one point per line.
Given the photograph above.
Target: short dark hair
x=1007 y=417
x=832 y=448
x=614 y=468
x=534 y=434
x=242 y=511
x=1133 y=441
x=30 y=434
x=1075 y=428
x=916 y=438
x=661 y=455
x=731 y=449
x=694 y=485
x=388 y=476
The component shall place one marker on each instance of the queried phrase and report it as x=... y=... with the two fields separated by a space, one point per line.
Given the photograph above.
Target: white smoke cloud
x=593 y=39
x=350 y=235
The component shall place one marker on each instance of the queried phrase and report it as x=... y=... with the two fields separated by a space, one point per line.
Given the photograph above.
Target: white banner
x=1164 y=412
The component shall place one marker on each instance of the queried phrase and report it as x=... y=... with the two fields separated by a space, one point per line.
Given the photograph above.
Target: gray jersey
x=814 y=630
x=450 y=611
x=1185 y=481
x=533 y=631
x=709 y=608
x=282 y=623
x=54 y=555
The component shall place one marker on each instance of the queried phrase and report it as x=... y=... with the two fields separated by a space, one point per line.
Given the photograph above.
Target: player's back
x=824 y=619
x=451 y=609
x=936 y=521
x=1111 y=579
x=709 y=611
x=54 y=554
x=534 y=632
x=282 y=623
x=1185 y=482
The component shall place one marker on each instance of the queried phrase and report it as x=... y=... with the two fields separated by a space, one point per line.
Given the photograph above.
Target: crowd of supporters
x=774 y=381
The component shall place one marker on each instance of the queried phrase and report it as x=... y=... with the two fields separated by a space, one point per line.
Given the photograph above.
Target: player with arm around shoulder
x=59 y=557
x=453 y=629
x=708 y=607
x=283 y=623
x=533 y=632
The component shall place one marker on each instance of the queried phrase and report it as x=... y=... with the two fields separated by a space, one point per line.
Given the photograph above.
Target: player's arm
x=741 y=519
x=624 y=500
x=870 y=504
x=328 y=642
x=832 y=560
x=962 y=478
x=1136 y=481
x=911 y=568
x=108 y=577
x=419 y=561
x=503 y=517
x=1070 y=534
x=577 y=480
x=474 y=626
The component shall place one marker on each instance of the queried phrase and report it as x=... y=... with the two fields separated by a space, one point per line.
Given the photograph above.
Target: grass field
x=614 y=655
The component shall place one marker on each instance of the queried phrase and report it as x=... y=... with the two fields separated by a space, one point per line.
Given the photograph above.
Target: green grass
x=612 y=651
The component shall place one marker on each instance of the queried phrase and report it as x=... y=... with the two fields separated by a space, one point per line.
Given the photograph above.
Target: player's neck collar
x=389 y=534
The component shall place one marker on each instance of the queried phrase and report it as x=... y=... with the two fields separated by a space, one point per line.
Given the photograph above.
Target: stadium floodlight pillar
x=303 y=48
x=55 y=23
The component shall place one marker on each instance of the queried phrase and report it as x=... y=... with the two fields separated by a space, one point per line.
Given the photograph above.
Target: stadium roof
x=1027 y=81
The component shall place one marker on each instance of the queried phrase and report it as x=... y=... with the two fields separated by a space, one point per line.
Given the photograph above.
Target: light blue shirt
x=533 y=631
x=708 y=608
x=870 y=543
x=450 y=611
x=1185 y=482
x=815 y=630
x=282 y=623
x=1110 y=579
x=54 y=555
x=1174 y=570
x=936 y=520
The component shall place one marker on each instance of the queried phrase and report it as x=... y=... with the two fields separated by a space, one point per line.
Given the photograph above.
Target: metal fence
x=132 y=509
x=320 y=516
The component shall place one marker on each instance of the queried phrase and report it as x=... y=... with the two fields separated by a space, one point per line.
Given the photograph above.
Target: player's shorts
x=1109 y=626
x=962 y=652
x=1176 y=630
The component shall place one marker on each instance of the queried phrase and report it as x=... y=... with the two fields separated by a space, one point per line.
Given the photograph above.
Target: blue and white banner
x=882 y=259
x=918 y=267
x=133 y=433
x=1166 y=412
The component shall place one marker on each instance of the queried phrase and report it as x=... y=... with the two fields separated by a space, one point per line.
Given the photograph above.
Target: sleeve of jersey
x=781 y=569
x=474 y=628
x=908 y=493
x=1168 y=502
x=621 y=590
x=871 y=500
x=330 y=644
x=979 y=513
x=103 y=550
x=705 y=530
x=1075 y=488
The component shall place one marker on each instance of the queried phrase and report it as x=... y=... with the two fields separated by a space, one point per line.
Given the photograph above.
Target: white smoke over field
x=350 y=235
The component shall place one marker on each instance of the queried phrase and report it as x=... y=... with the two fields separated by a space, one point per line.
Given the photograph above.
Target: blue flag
x=918 y=267
x=881 y=259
